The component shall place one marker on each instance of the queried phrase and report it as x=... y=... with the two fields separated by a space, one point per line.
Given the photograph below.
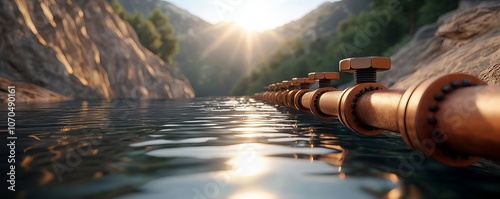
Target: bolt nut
x=298 y=80
x=309 y=81
x=285 y=83
x=306 y=81
x=353 y=64
x=324 y=76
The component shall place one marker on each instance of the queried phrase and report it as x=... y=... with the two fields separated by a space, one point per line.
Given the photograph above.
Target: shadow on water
x=221 y=148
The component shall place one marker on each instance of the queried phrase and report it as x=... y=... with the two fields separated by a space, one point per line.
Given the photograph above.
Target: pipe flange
x=298 y=98
x=315 y=103
x=347 y=108
x=279 y=98
x=274 y=97
x=290 y=98
x=417 y=117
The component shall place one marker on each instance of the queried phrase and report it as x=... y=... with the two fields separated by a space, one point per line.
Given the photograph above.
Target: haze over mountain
x=215 y=56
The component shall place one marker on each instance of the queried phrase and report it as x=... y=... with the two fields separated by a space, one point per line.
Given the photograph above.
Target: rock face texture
x=26 y=92
x=466 y=41
x=81 y=50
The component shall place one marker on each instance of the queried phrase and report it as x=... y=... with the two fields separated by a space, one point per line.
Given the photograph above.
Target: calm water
x=233 y=148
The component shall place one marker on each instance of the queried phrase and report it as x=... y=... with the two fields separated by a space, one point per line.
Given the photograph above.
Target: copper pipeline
x=329 y=102
x=306 y=100
x=379 y=109
x=470 y=120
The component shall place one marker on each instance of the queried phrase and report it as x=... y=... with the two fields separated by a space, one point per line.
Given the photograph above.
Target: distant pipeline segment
x=453 y=119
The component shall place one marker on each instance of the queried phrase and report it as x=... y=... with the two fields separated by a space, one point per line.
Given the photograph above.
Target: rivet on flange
x=466 y=82
x=446 y=89
x=455 y=84
x=438 y=97
x=433 y=108
x=432 y=121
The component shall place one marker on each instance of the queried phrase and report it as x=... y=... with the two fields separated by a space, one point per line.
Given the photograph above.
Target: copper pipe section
x=306 y=100
x=469 y=120
x=379 y=109
x=284 y=90
x=324 y=83
x=314 y=107
x=297 y=100
x=435 y=114
x=453 y=118
x=348 y=108
x=329 y=102
x=289 y=98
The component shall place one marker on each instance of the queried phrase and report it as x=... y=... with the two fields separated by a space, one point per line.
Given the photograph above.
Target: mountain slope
x=215 y=57
x=323 y=21
x=81 y=50
x=466 y=41
x=184 y=22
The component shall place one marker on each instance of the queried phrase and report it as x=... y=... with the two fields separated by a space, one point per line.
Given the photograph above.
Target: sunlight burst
x=256 y=15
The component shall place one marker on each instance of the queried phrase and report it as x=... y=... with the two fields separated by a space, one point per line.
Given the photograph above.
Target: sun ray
x=249 y=52
x=237 y=48
x=217 y=43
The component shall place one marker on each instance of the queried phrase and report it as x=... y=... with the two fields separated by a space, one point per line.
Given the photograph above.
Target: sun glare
x=256 y=15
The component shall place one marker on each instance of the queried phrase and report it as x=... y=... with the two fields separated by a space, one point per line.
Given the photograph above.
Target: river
x=235 y=148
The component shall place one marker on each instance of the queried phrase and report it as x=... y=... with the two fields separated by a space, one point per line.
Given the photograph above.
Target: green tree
x=432 y=10
x=170 y=45
x=149 y=36
x=156 y=33
x=119 y=10
x=352 y=39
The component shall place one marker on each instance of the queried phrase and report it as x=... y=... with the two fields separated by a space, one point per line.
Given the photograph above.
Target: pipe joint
x=315 y=103
x=349 y=110
x=420 y=121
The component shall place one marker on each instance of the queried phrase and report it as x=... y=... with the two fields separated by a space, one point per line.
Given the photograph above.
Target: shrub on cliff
x=155 y=33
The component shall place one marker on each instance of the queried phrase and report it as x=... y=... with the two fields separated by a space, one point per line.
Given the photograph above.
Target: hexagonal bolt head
x=354 y=64
x=277 y=86
x=298 y=80
x=309 y=81
x=285 y=83
x=324 y=76
x=365 y=69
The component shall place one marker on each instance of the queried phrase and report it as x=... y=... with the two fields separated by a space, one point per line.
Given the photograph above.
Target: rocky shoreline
x=80 y=50
x=464 y=41
x=28 y=93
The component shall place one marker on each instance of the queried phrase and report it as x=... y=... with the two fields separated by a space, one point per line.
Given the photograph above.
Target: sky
x=253 y=15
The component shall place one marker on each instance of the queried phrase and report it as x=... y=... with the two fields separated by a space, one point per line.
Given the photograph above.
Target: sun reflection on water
x=248 y=162
x=253 y=195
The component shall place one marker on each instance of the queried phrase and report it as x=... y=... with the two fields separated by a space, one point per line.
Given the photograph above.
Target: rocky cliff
x=81 y=50
x=466 y=41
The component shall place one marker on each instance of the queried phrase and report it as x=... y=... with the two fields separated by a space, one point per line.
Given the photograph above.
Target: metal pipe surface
x=329 y=102
x=306 y=100
x=470 y=120
x=379 y=109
